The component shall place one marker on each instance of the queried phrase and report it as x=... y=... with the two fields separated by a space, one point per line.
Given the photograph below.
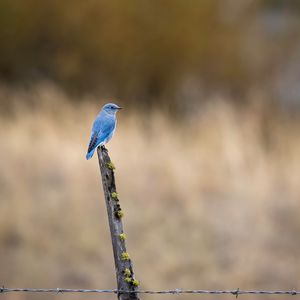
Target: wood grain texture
x=123 y=264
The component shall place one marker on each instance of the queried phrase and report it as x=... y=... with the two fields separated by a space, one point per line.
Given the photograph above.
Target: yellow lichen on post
x=110 y=165
x=122 y=236
x=135 y=282
x=114 y=195
x=127 y=272
x=119 y=214
x=125 y=256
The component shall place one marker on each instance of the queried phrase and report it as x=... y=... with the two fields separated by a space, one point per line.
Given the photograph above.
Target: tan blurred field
x=210 y=202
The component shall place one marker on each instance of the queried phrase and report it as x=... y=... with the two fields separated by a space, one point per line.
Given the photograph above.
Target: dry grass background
x=211 y=202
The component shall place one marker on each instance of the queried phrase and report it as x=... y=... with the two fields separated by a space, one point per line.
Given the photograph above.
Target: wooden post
x=123 y=264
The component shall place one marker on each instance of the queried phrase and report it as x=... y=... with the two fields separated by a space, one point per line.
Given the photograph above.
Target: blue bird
x=103 y=128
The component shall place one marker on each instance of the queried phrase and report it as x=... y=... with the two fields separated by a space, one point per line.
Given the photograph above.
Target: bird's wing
x=100 y=131
x=93 y=142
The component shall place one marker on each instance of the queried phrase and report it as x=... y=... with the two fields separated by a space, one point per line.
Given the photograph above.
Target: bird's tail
x=90 y=154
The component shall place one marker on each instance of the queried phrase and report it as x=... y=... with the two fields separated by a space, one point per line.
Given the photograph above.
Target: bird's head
x=111 y=108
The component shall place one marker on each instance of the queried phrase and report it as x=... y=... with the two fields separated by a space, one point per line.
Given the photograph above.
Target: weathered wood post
x=123 y=265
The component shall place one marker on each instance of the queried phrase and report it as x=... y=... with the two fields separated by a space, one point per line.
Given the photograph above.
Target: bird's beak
x=120 y=107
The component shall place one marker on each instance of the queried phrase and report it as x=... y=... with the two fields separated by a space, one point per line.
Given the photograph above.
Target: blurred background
x=207 y=148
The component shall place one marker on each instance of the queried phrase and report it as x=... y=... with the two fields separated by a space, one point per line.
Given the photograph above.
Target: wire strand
x=235 y=292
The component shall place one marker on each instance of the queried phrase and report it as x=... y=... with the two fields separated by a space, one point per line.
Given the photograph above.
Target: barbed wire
x=235 y=292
